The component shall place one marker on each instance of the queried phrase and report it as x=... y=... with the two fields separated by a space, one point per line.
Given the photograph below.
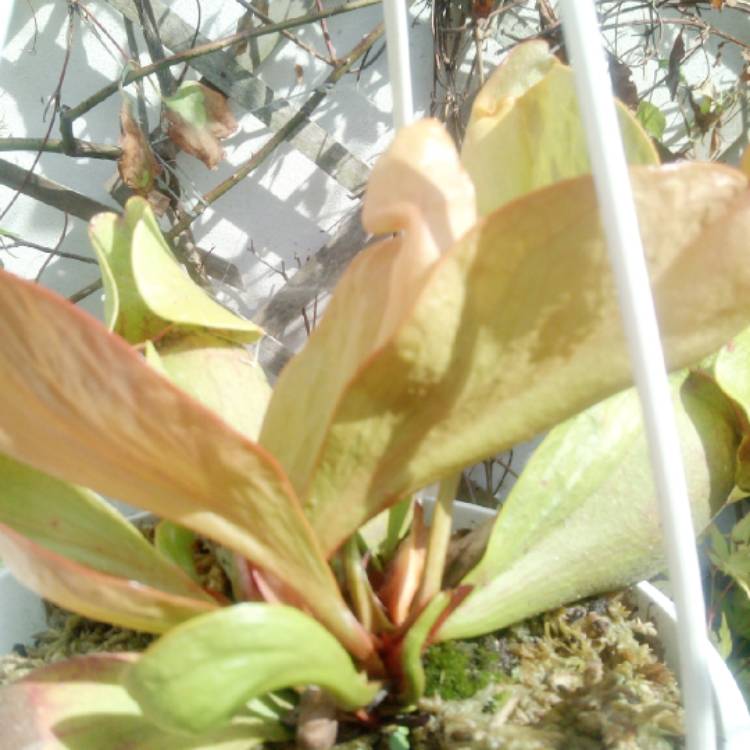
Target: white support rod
x=617 y=210
x=399 y=66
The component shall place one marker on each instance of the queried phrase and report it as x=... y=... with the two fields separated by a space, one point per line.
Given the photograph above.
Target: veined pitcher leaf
x=146 y=288
x=731 y=369
x=78 y=403
x=74 y=549
x=435 y=195
x=81 y=704
x=525 y=129
x=516 y=328
x=93 y=594
x=418 y=186
x=583 y=516
x=203 y=672
x=221 y=374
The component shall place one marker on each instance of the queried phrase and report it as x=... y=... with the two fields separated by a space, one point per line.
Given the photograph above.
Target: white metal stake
x=399 y=67
x=617 y=208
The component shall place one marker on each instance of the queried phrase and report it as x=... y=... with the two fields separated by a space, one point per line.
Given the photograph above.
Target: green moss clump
x=584 y=676
x=459 y=669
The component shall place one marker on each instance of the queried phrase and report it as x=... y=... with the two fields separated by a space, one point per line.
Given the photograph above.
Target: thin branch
x=55 y=250
x=285 y=33
x=69 y=115
x=87 y=291
x=196 y=34
x=49 y=250
x=50 y=193
x=135 y=56
x=282 y=134
x=98 y=28
x=326 y=35
x=54 y=101
x=82 y=149
x=167 y=82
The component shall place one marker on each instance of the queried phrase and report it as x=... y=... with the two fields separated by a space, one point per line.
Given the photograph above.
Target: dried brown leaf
x=198 y=118
x=137 y=166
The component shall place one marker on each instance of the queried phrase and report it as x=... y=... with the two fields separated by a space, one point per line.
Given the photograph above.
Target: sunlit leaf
x=81 y=704
x=590 y=480
x=516 y=328
x=146 y=288
x=222 y=375
x=79 y=404
x=525 y=129
x=199 y=117
x=202 y=673
x=652 y=118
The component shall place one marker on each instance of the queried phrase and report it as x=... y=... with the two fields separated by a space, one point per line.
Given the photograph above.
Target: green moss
x=459 y=669
x=584 y=676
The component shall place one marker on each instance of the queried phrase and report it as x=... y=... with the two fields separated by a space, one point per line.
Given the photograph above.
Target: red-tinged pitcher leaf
x=137 y=166
x=435 y=194
x=516 y=328
x=405 y=572
x=199 y=117
x=730 y=370
x=418 y=186
x=81 y=405
x=95 y=595
x=201 y=673
x=81 y=704
x=74 y=549
x=525 y=129
x=590 y=480
x=146 y=289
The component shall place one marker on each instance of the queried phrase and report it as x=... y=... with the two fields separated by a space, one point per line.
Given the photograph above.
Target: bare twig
x=134 y=56
x=282 y=134
x=196 y=34
x=99 y=28
x=54 y=102
x=326 y=35
x=49 y=250
x=87 y=291
x=82 y=149
x=284 y=32
x=167 y=82
x=49 y=192
x=69 y=115
x=55 y=250
x=317 y=276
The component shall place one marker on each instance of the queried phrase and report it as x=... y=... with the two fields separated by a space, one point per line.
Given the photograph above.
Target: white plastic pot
x=22 y=615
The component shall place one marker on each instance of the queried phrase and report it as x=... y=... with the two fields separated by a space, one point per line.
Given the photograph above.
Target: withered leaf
x=198 y=118
x=673 y=67
x=137 y=166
